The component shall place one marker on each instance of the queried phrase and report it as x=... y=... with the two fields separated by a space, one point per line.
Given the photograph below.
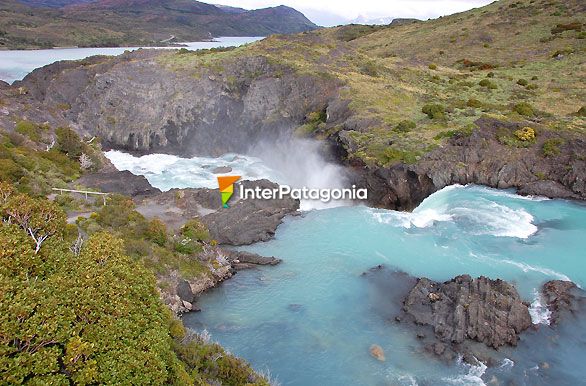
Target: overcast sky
x=334 y=12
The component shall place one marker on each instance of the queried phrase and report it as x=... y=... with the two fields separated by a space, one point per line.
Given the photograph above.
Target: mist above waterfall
x=284 y=159
x=300 y=162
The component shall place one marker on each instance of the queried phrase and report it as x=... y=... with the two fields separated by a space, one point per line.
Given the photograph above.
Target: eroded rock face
x=481 y=309
x=134 y=103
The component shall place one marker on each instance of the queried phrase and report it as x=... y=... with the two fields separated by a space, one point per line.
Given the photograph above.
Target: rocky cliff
x=136 y=104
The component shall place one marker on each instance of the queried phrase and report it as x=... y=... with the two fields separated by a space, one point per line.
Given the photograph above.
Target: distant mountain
x=47 y=23
x=54 y=3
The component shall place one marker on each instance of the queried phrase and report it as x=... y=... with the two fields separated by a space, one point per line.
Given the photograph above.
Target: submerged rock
x=222 y=169
x=377 y=352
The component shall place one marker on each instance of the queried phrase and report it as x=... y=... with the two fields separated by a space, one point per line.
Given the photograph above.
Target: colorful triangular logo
x=226 y=184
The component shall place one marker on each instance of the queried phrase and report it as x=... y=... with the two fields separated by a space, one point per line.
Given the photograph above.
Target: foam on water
x=540 y=314
x=166 y=171
x=294 y=162
x=479 y=216
x=472 y=375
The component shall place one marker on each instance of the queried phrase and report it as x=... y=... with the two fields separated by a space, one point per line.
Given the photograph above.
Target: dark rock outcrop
x=398 y=187
x=184 y=291
x=481 y=309
x=123 y=182
x=249 y=221
x=244 y=260
x=562 y=298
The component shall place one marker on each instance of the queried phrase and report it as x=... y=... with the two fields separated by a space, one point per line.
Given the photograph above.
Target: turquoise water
x=16 y=64
x=312 y=319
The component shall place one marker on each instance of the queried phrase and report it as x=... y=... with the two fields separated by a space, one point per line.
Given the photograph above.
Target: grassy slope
x=392 y=72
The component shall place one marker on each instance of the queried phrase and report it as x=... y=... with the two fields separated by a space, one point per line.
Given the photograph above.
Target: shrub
x=195 y=230
x=15 y=138
x=522 y=82
x=473 y=66
x=434 y=111
x=581 y=112
x=534 y=77
x=464 y=132
x=68 y=142
x=574 y=26
x=524 y=108
x=525 y=134
x=473 y=103
x=29 y=129
x=532 y=87
x=10 y=171
x=369 y=68
x=488 y=84
x=551 y=147
x=157 y=232
x=432 y=66
x=186 y=246
x=490 y=75
x=405 y=126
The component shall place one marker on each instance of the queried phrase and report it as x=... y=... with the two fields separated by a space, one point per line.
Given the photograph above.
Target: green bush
x=186 y=246
x=434 y=111
x=464 y=132
x=524 y=108
x=405 y=126
x=432 y=66
x=582 y=111
x=69 y=142
x=90 y=318
x=551 y=147
x=157 y=232
x=525 y=134
x=474 y=103
x=195 y=230
x=29 y=129
x=532 y=86
x=10 y=171
x=522 y=82
x=490 y=75
x=488 y=84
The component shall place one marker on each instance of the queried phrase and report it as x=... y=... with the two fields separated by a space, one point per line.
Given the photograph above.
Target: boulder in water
x=377 y=352
x=562 y=297
x=222 y=170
